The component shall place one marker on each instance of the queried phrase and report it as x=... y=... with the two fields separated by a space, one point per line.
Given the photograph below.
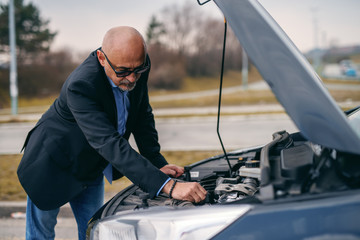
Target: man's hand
x=172 y=170
x=189 y=191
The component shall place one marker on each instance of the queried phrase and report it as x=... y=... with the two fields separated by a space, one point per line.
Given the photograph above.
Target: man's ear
x=100 y=57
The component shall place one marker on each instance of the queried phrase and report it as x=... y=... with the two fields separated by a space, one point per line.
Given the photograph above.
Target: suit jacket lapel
x=131 y=113
x=109 y=102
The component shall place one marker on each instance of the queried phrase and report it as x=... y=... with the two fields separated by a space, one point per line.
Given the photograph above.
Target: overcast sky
x=81 y=24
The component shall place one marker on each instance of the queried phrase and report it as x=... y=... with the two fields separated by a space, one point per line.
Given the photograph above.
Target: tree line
x=180 y=39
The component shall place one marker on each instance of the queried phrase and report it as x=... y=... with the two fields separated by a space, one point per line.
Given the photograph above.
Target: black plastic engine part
x=296 y=162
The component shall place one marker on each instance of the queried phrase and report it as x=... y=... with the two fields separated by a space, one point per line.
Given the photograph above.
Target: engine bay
x=286 y=168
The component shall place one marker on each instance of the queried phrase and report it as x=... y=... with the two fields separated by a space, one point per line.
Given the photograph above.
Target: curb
x=16 y=209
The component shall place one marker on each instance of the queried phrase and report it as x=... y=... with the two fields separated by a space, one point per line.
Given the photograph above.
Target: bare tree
x=205 y=59
x=208 y=45
x=168 y=68
x=169 y=38
x=180 y=24
x=189 y=43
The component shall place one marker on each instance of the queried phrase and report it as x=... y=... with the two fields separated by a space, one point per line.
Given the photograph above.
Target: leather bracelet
x=172 y=188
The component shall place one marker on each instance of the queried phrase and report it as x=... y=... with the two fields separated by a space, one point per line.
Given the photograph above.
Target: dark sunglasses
x=126 y=71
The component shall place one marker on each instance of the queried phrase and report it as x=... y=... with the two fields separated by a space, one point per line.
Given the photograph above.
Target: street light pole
x=317 y=57
x=244 y=71
x=13 y=68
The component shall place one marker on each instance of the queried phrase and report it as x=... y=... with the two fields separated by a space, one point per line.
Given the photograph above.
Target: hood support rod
x=220 y=92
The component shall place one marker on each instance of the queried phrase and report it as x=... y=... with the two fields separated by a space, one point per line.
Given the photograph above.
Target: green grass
x=11 y=190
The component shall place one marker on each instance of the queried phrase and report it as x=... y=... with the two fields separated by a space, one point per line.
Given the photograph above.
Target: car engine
x=286 y=168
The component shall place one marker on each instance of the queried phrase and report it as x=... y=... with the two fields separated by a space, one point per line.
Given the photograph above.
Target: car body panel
x=335 y=215
x=291 y=78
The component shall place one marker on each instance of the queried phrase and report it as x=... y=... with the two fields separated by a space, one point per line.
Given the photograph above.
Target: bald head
x=123 y=49
x=124 y=41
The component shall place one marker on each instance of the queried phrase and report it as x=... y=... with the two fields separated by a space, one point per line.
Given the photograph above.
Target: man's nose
x=131 y=77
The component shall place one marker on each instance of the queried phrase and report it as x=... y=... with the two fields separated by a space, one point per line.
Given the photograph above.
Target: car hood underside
x=292 y=79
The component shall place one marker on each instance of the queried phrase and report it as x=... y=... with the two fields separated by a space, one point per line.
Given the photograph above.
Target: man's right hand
x=188 y=191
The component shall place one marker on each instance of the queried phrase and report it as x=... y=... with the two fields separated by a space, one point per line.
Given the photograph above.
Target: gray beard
x=128 y=85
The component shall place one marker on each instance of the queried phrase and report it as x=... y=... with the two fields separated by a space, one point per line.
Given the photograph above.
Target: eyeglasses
x=126 y=71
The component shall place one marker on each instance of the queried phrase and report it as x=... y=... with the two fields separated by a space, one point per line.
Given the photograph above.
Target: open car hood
x=290 y=76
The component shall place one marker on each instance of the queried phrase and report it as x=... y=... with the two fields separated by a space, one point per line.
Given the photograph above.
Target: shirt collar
x=114 y=86
x=111 y=82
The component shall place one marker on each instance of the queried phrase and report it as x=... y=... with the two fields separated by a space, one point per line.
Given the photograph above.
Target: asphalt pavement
x=14 y=229
x=12 y=222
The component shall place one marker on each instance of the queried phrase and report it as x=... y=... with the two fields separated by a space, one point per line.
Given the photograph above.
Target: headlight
x=168 y=223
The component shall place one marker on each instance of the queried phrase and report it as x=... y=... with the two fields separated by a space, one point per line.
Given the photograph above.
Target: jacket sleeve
x=84 y=102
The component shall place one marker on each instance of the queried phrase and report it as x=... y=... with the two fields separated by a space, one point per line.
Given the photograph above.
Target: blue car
x=348 y=68
x=300 y=185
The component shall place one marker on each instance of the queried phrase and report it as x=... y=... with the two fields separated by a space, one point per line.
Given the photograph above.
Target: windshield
x=354 y=118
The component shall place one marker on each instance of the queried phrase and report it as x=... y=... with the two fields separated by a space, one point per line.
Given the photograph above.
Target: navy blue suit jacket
x=77 y=137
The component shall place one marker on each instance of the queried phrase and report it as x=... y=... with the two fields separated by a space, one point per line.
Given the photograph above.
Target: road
x=12 y=136
x=14 y=229
x=236 y=131
x=193 y=133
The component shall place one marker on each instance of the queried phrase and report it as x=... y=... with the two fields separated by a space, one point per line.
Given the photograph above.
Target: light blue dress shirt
x=122 y=108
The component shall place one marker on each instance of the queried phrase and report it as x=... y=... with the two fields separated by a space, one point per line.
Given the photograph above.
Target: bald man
x=85 y=133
